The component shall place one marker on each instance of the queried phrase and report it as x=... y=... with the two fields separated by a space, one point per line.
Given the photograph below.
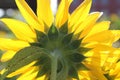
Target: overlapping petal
x=99 y=27
x=80 y=13
x=107 y=37
x=87 y=24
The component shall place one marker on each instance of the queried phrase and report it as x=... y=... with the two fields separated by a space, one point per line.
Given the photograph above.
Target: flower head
x=64 y=47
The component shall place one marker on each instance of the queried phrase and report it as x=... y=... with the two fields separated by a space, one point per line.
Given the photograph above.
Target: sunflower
x=67 y=46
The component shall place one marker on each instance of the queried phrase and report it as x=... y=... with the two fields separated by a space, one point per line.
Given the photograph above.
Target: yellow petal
x=29 y=15
x=7 y=55
x=80 y=13
x=3 y=71
x=9 y=44
x=29 y=75
x=107 y=37
x=116 y=70
x=116 y=34
x=62 y=13
x=44 y=11
x=24 y=69
x=21 y=30
x=83 y=75
x=88 y=23
x=99 y=27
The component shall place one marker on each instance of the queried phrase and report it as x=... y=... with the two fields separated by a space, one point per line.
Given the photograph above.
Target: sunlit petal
x=19 y=29
x=80 y=13
x=99 y=27
x=87 y=24
x=44 y=12
x=62 y=13
x=29 y=15
x=9 y=44
x=107 y=37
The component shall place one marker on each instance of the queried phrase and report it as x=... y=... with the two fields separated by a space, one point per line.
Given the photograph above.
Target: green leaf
x=23 y=57
x=64 y=28
x=66 y=40
x=53 y=33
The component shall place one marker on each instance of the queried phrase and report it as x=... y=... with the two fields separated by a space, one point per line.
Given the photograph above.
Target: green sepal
x=83 y=50
x=73 y=72
x=75 y=44
x=22 y=58
x=76 y=57
x=41 y=37
x=53 y=33
x=66 y=40
x=64 y=28
x=36 y=44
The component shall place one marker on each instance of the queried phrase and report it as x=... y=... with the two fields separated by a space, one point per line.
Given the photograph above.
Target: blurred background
x=111 y=9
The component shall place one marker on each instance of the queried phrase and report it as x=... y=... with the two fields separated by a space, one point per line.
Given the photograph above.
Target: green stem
x=53 y=68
